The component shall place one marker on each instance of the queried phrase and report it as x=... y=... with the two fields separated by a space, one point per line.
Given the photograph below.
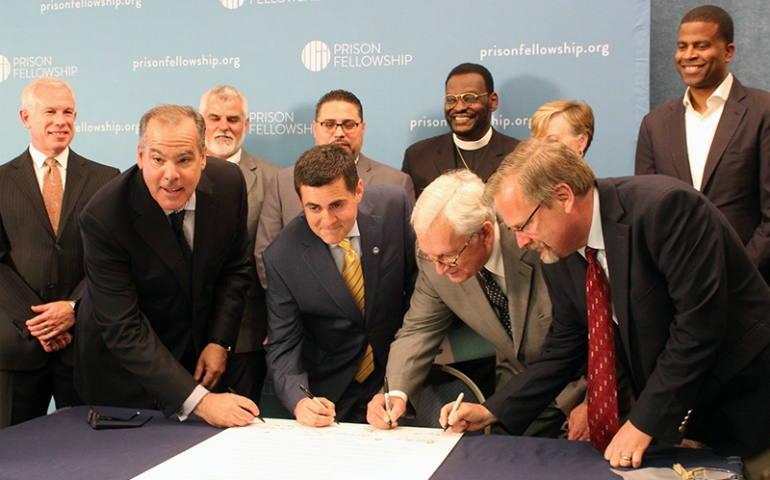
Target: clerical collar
x=473 y=145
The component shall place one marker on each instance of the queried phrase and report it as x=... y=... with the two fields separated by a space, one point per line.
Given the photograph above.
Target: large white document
x=284 y=449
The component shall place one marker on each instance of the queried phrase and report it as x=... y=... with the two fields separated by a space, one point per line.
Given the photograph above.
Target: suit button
x=57 y=247
x=51 y=285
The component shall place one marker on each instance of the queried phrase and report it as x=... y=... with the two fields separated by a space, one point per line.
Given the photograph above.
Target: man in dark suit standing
x=226 y=112
x=339 y=120
x=42 y=192
x=716 y=138
x=668 y=293
x=340 y=276
x=167 y=265
x=472 y=143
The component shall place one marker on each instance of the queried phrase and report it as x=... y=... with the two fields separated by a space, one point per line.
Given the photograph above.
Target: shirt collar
x=495 y=263
x=39 y=157
x=720 y=94
x=473 y=145
x=190 y=205
x=236 y=157
x=595 y=234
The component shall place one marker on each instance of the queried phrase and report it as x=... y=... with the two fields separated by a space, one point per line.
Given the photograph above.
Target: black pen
x=312 y=397
x=230 y=389
x=387 y=402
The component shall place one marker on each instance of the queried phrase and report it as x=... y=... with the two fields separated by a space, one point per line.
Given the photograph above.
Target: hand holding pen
x=387 y=403
x=314 y=411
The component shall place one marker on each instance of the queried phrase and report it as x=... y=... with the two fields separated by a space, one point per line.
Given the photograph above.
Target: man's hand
x=52 y=320
x=470 y=416
x=578 y=423
x=211 y=365
x=309 y=413
x=627 y=447
x=377 y=415
x=226 y=410
x=57 y=343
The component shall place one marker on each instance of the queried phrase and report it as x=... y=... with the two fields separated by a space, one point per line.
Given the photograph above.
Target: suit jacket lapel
x=677 y=141
x=494 y=149
x=24 y=175
x=206 y=214
x=617 y=244
x=732 y=115
x=518 y=281
x=370 y=228
x=248 y=168
x=77 y=175
x=445 y=154
x=364 y=167
x=154 y=228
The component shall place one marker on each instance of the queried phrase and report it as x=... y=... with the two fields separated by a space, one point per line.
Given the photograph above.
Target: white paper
x=284 y=449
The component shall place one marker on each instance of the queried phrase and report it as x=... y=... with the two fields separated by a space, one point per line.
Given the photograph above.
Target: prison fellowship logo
x=5 y=68
x=316 y=56
x=231 y=4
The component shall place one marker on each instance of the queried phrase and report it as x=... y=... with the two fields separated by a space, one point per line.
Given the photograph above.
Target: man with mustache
x=226 y=112
x=339 y=120
x=472 y=143
x=717 y=137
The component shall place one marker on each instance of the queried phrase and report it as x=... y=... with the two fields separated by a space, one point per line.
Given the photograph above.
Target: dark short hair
x=465 y=68
x=712 y=14
x=324 y=164
x=173 y=114
x=340 y=96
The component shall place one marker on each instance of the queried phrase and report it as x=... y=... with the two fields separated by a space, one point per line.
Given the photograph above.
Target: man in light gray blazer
x=226 y=112
x=460 y=241
x=339 y=120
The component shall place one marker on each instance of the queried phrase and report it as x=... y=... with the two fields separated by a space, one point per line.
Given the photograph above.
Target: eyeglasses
x=453 y=263
x=104 y=422
x=329 y=126
x=450 y=99
x=521 y=228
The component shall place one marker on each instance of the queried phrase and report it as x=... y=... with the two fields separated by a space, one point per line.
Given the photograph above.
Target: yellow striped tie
x=353 y=275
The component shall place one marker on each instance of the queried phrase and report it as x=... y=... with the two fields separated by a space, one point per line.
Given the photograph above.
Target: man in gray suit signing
x=339 y=120
x=466 y=261
x=226 y=112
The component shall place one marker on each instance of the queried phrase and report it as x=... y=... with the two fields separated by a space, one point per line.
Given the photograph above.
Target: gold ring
x=45 y=329
x=623 y=457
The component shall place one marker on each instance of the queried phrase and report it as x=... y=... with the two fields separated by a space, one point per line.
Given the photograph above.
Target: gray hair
x=28 y=97
x=459 y=196
x=224 y=92
x=173 y=114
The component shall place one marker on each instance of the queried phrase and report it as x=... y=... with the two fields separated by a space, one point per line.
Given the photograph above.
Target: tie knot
x=345 y=244
x=591 y=254
x=50 y=162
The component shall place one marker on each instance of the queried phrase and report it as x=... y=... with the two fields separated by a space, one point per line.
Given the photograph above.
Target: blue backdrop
x=123 y=57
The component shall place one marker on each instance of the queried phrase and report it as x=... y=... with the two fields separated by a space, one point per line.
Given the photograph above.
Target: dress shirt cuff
x=398 y=393
x=192 y=401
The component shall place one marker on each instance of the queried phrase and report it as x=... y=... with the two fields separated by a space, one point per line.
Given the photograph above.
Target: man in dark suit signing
x=717 y=137
x=340 y=276
x=665 y=290
x=339 y=120
x=167 y=265
x=472 y=143
x=42 y=192
x=226 y=112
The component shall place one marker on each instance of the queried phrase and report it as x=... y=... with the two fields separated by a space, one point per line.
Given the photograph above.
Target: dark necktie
x=177 y=221
x=603 y=421
x=497 y=298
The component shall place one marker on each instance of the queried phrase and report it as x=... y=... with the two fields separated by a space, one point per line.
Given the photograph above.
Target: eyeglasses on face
x=524 y=225
x=450 y=99
x=329 y=126
x=452 y=263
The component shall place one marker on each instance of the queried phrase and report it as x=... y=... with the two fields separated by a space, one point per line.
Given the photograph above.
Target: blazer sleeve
x=126 y=331
x=286 y=335
x=645 y=157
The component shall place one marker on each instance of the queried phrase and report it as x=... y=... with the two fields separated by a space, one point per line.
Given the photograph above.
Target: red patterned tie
x=603 y=419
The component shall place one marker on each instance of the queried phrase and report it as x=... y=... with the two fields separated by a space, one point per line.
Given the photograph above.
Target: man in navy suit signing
x=340 y=275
